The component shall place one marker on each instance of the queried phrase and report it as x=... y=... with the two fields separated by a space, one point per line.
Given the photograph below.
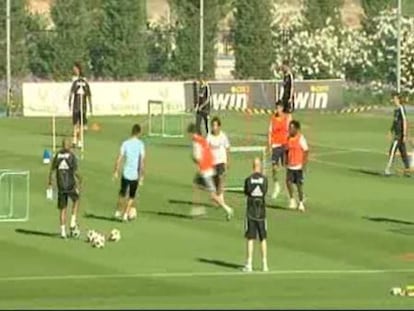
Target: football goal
x=241 y=165
x=14 y=195
x=165 y=120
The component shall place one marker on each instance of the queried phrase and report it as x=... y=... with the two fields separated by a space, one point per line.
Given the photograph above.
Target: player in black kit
x=203 y=105
x=288 y=98
x=398 y=131
x=255 y=188
x=80 y=94
x=68 y=185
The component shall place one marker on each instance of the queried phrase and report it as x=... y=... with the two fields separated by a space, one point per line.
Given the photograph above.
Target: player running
x=68 y=182
x=80 y=94
x=399 y=129
x=255 y=188
x=220 y=146
x=132 y=156
x=203 y=157
x=277 y=140
x=296 y=160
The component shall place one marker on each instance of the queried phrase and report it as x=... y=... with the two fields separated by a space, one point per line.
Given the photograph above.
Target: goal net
x=241 y=165
x=165 y=120
x=14 y=195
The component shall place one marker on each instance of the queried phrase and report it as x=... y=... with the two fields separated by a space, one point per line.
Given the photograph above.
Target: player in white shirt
x=220 y=146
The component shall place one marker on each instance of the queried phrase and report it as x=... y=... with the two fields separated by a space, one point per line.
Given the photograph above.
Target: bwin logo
x=223 y=101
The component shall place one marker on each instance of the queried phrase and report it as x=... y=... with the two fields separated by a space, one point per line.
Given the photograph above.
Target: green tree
x=121 y=52
x=253 y=39
x=72 y=22
x=373 y=8
x=39 y=41
x=186 y=54
x=18 y=42
x=318 y=11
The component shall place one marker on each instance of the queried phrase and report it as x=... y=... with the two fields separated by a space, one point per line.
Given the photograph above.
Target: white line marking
x=196 y=274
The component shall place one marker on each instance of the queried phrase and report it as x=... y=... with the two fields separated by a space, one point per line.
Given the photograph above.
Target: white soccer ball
x=91 y=235
x=99 y=241
x=396 y=291
x=115 y=235
x=132 y=213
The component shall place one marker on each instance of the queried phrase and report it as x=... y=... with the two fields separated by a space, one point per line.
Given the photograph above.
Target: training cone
x=96 y=127
x=46 y=156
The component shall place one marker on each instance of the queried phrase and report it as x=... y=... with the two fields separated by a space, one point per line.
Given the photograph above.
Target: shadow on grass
x=278 y=207
x=168 y=214
x=403 y=231
x=100 y=217
x=388 y=220
x=220 y=263
x=38 y=233
x=367 y=172
x=192 y=203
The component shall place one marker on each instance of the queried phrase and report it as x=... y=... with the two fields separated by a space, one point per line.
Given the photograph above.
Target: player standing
x=202 y=105
x=297 y=158
x=220 y=146
x=203 y=157
x=255 y=188
x=277 y=140
x=132 y=155
x=288 y=98
x=80 y=94
x=68 y=182
x=399 y=129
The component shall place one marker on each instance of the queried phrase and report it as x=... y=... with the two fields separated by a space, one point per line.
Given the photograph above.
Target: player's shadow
x=388 y=220
x=100 y=217
x=366 y=172
x=192 y=203
x=169 y=214
x=37 y=233
x=278 y=207
x=220 y=263
x=403 y=231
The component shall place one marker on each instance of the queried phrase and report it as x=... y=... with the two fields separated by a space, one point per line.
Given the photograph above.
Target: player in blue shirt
x=131 y=156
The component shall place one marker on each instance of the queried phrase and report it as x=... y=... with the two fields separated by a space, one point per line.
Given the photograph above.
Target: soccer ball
x=132 y=213
x=91 y=236
x=99 y=241
x=75 y=233
x=115 y=235
x=396 y=291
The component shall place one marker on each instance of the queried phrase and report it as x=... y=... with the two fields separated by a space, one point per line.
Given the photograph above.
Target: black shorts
x=255 y=229
x=278 y=155
x=288 y=107
x=205 y=182
x=63 y=198
x=295 y=176
x=76 y=117
x=128 y=185
x=220 y=172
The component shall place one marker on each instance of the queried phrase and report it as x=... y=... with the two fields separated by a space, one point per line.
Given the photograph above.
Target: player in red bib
x=277 y=140
x=203 y=157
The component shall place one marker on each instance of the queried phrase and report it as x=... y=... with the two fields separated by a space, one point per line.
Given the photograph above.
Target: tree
x=317 y=12
x=373 y=8
x=186 y=54
x=72 y=22
x=122 y=48
x=253 y=39
x=18 y=42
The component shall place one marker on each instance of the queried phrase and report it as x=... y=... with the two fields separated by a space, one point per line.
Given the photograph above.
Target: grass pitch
x=354 y=243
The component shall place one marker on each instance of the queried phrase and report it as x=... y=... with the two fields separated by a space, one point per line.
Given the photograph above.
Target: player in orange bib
x=203 y=157
x=277 y=140
x=296 y=160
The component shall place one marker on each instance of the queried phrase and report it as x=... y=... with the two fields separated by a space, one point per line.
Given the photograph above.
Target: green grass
x=357 y=227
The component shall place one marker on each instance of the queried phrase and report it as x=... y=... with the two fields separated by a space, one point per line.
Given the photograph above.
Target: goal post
x=14 y=195
x=241 y=158
x=165 y=120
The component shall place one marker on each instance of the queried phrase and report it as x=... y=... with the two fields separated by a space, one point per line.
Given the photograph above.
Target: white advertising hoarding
x=108 y=98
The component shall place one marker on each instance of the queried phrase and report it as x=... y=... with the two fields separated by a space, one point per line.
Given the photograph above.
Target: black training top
x=255 y=188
